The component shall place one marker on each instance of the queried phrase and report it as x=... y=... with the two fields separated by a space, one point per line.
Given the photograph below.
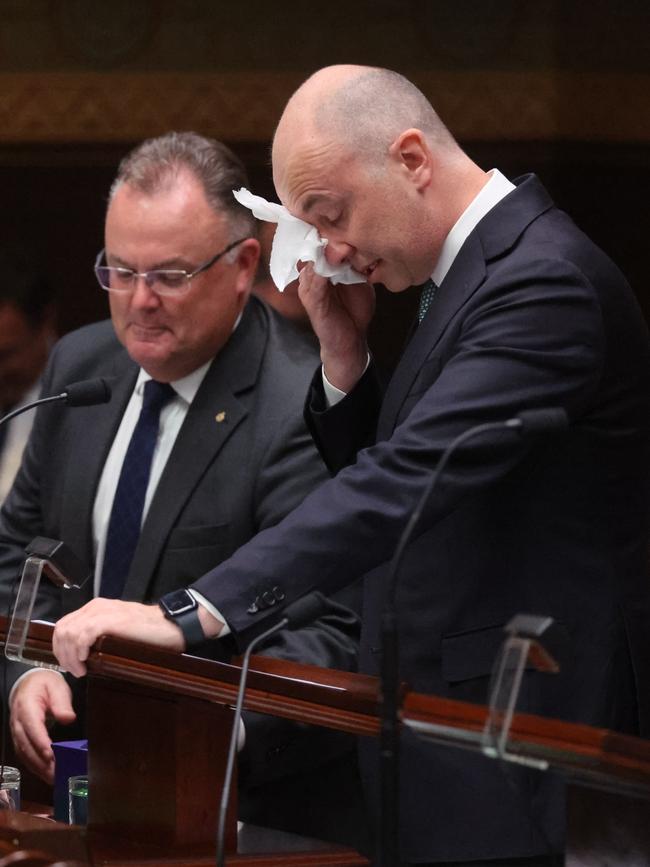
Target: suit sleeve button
x=268 y=597
x=278 y=593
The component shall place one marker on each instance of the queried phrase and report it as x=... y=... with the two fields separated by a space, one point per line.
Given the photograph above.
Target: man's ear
x=413 y=154
x=248 y=254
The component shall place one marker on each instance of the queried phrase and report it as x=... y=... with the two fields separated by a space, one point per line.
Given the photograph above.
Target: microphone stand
x=300 y=612
x=22 y=409
x=529 y=422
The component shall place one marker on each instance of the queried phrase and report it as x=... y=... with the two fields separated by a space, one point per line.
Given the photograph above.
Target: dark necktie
x=426 y=297
x=126 y=513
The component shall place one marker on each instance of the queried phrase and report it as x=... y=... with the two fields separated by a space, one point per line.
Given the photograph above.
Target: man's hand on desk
x=76 y=633
x=37 y=697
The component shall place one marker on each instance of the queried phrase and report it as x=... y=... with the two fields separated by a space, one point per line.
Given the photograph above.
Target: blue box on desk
x=70 y=760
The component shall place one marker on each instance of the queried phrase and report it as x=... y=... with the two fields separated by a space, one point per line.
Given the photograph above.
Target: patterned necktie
x=426 y=297
x=126 y=513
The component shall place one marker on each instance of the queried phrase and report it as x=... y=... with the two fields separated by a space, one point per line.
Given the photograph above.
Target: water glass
x=78 y=800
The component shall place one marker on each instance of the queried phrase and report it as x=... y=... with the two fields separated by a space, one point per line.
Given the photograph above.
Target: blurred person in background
x=287 y=303
x=27 y=331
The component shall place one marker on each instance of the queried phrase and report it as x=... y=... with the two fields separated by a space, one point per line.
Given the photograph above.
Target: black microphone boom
x=86 y=393
x=531 y=422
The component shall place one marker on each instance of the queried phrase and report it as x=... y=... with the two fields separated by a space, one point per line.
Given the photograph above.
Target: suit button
x=255 y=607
x=268 y=597
x=278 y=593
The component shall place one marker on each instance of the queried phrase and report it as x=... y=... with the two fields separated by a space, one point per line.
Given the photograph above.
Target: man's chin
x=153 y=356
x=382 y=276
x=395 y=286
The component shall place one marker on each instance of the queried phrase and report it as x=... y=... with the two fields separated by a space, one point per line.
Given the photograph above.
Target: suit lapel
x=465 y=276
x=497 y=232
x=214 y=415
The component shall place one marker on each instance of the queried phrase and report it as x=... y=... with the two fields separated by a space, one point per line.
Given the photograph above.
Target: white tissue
x=294 y=241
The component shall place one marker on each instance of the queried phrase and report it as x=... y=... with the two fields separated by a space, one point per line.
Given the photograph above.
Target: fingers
x=35 y=698
x=71 y=644
x=61 y=702
x=75 y=634
x=312 y=288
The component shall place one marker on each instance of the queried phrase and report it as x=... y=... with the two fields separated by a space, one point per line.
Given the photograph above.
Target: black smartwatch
x=181 y=608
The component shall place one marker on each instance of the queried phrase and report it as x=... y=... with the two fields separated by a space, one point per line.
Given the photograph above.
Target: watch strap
x=187 y=621
x=190 y=626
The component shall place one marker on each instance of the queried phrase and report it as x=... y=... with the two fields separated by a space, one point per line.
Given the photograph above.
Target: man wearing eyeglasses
x=202 y=445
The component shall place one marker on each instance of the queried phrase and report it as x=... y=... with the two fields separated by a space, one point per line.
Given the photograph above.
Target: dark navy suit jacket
x=531 y=314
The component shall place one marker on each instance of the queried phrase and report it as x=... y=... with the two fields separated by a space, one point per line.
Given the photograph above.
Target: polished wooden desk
x=186 y=700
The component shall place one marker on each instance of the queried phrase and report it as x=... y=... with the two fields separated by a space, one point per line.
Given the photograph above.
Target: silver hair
x=154 y=164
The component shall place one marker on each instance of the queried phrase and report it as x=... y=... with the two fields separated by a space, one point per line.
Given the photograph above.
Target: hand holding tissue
x=295 y=241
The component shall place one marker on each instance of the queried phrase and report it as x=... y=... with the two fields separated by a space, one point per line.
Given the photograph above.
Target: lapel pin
x=220 y=416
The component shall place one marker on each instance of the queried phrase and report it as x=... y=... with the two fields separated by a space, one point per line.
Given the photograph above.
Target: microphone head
x=304 y=610
x=88 y=392
x=540 y=421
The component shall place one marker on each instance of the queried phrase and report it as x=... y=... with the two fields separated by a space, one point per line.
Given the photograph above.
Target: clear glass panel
x=22 y=615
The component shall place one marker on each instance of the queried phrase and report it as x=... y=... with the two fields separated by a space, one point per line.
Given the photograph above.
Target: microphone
x=539 y=421
x=533 y=422
x=298 y=614
x=88 y=392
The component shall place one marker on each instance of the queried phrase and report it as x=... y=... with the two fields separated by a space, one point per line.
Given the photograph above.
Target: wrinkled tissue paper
x=294 y=241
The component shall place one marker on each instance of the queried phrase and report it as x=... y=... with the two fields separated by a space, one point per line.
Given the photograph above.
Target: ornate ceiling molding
x=479 y=105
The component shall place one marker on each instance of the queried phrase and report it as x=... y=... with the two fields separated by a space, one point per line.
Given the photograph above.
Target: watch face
x=178 y=602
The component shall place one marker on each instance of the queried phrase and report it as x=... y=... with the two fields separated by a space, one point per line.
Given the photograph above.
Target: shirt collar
x=185 y=388
x=497 y=187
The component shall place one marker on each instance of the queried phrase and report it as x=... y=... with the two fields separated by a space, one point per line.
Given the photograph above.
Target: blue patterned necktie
x=426 y=297
x=128 y=504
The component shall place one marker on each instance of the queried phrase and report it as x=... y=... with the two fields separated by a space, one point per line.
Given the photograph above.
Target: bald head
x=360 y=154
x=361 y=108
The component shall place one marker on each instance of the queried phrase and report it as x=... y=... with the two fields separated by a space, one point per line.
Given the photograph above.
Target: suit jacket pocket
x=198 y=537
x=471 y=654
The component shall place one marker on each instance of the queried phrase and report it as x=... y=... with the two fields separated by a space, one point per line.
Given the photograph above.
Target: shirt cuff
x=334 y=395
x=213 y=611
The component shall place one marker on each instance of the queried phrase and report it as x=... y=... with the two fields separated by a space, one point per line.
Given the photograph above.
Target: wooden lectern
x=158 y=725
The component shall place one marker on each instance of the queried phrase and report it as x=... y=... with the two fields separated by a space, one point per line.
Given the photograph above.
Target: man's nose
x=338 y=252
x=143 y=294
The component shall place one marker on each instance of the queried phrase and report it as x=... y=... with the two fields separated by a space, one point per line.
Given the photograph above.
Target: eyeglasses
x=163 y=281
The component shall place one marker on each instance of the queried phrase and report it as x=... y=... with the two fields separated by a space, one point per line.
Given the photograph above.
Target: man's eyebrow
x=311 y=201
